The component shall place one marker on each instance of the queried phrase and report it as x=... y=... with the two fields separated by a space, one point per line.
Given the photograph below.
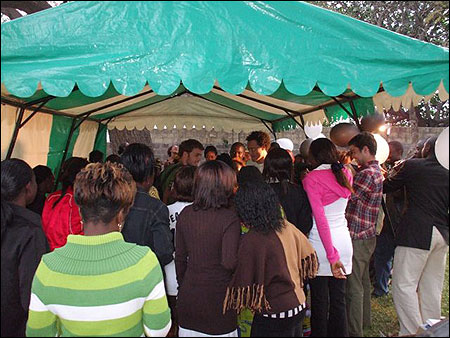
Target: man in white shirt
x=258 y=143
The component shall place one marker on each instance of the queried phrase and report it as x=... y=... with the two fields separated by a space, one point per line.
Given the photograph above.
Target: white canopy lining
x=186 y=112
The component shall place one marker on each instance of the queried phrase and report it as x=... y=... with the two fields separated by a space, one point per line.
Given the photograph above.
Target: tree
x=15 y=9
x=424 y=20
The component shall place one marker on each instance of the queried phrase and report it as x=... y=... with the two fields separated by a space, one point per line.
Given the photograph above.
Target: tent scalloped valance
x=64 y=88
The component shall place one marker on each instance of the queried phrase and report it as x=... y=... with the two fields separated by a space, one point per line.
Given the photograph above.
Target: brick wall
x=160 y=140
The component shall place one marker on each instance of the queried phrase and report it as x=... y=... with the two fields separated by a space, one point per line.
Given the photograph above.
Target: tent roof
x=288 y=55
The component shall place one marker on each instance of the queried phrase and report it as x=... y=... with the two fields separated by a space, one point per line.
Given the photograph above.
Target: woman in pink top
x=329 y=187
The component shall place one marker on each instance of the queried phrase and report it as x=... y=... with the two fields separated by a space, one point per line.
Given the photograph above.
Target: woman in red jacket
x=61 y=215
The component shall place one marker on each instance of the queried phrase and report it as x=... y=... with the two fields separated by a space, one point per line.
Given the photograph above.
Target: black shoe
x=377 y=295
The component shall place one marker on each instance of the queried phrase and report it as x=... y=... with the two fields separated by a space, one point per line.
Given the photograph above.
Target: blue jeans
x=384 y=254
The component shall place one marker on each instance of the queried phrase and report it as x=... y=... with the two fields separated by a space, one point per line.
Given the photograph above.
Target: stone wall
x=160 y=140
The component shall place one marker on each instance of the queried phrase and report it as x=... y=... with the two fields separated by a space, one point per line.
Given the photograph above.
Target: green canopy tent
x=70 y=72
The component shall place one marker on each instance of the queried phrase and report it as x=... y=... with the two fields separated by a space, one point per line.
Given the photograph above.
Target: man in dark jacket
x=147 y=222
x=45 y=181
x=395 y=204
x=422 y=239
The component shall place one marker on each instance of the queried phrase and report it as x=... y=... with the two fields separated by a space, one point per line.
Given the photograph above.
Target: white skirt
x=340 y=236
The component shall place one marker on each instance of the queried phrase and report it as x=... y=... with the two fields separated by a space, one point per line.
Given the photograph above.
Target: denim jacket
x=147 y=224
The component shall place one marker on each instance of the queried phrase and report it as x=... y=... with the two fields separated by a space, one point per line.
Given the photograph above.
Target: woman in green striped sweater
x=97 y=284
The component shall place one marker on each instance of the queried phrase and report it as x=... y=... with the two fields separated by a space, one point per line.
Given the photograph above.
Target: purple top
x=323 y=189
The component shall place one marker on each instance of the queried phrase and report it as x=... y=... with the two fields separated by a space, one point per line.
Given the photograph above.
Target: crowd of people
x=223 y=245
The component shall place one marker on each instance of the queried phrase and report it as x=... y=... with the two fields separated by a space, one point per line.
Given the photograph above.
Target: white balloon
x=441 y=148
x=285 y=144
x=382 y=149
x=320 y=136
x=313 y=130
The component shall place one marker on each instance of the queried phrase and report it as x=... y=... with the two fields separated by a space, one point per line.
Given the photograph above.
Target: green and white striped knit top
x=98 y=286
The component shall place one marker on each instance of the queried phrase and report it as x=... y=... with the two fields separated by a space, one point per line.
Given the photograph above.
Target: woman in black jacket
x=23 y=244
x=278 y=172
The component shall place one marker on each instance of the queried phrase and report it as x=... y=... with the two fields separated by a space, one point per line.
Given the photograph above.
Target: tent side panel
x=100 y=138
x=32 y=142
x=86 y=139
x=58 y=138
x=8 y=122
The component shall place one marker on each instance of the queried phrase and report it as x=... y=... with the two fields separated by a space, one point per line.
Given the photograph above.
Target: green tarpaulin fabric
x=58 y=138
x=262 y=44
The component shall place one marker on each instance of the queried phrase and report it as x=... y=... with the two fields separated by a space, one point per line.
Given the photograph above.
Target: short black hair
x=398 y=146
x=69 y=170
x=364 y=139
x=113 y=158
x=225 y=158
x=96 y=156
x=300 y=169
x=42 y=172
x=298 y=158
x=189 y=145
x=274 y=145
x=122 y=147
x=234 y=148
x=258 y=207
x=183 y=184
x=249 y=174
x=210 y=149
x=139 y=160
x=169 y=151
x=262 y=138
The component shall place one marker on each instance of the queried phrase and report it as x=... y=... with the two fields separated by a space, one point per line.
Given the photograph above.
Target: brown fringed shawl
x=271 y=270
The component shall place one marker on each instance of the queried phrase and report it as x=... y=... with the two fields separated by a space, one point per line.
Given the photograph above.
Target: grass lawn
x=384 y=317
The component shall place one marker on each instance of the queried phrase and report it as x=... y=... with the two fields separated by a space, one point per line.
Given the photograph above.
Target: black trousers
x=328 y=309
x=277 y=327
x=172 y=300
